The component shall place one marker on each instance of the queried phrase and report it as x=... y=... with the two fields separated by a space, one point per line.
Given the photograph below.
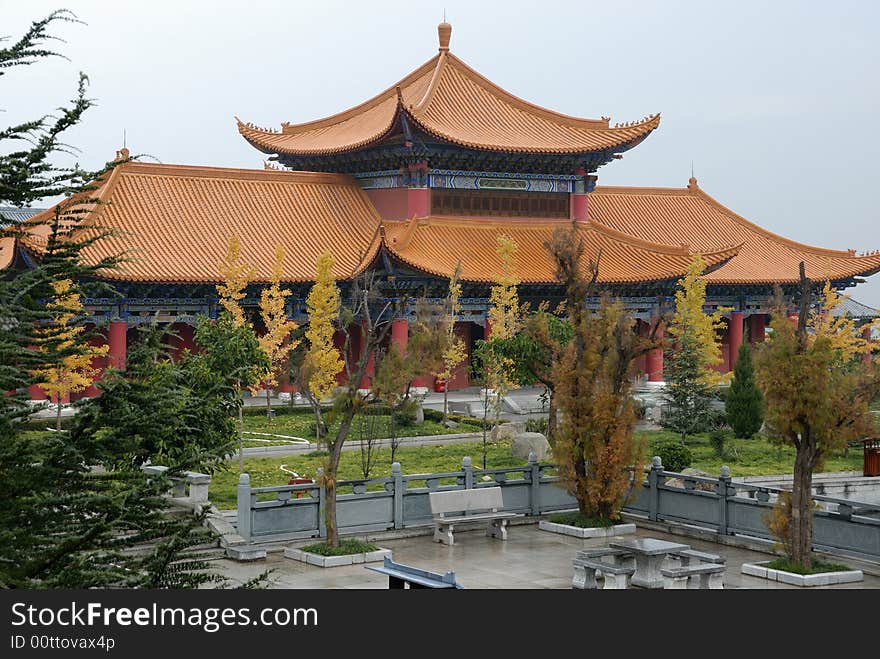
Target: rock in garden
x=450 y=424
x=419 y=415
x=698 y=485
x=530 y=442
x=506 y=432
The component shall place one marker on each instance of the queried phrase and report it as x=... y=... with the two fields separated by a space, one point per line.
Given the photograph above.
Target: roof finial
x=444 y=31
x=692 y=181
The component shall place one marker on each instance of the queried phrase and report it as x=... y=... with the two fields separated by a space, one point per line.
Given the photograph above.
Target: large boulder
x=530 y=442
x=698 y=485
x=505 y=432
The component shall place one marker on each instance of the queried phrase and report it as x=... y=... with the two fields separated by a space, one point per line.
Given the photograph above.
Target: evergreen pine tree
x=695 y=349
x=745 y=403
x=687 y=393
x=76 y=511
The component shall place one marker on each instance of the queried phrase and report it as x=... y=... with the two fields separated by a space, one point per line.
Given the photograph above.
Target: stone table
x=649 y=554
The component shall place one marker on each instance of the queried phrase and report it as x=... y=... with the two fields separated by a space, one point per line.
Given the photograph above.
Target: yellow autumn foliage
x=691 y=323
x=322 y=361
x=278 y=327
x=75 y=372
x=236 y=275
x=844 y=336
x=456 y=351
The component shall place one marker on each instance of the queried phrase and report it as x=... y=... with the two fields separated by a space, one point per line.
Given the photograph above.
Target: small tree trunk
x=268 y=406
x=802 y=507
x=445 y=397
x=330 y=509
x=580 y=469
x=552 y=421
x=58 y=415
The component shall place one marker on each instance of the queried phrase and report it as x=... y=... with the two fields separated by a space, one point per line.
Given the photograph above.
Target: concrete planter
x=819 y=579
x=591 y=532
x=335 y=561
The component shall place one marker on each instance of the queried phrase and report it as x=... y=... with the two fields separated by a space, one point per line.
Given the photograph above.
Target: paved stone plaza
x=529 y=559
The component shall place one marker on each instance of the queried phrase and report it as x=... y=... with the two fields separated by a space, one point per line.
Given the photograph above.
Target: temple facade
x=408 y=184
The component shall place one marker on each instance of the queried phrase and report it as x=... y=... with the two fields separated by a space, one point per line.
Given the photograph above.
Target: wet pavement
x=529 y=559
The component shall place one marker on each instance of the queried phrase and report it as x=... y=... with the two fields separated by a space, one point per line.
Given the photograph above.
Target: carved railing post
x=398 y=485
x=535 y=485
x=654 y=481
x=244 y=506
x=468 y=470
x=723 y=490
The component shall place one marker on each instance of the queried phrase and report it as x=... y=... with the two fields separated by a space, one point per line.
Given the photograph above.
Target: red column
x=36 y=393
x=654 y=360
x=98 y=363
x=116 y=337
x=867 y=358
x=418 y=202
x=580 y=203
x=367 y=380
x=794 y=317
x=418 y=199
x=580 y=207
x=757 y=325
x=400 y=334
x=487 y=329
x=736 y=335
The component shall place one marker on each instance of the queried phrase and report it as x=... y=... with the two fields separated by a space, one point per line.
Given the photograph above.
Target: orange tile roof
x=175 y=222
x=690 y=216
x=451 y=101
x=436 y=244
x=7 y=251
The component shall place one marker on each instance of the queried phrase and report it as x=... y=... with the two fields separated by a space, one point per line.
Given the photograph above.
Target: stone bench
x=616 y=576
x=692 y=557
x=710 y=576
x=585 y=577
x=400 y=576
x=454 y=506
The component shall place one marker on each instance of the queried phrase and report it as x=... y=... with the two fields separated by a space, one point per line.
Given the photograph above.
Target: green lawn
x=265 y=472
x=750 y=457
x=300 y=423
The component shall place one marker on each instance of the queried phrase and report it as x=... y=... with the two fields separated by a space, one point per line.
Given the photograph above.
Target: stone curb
x=761 y=571
x=593 y=532
x=335 y=561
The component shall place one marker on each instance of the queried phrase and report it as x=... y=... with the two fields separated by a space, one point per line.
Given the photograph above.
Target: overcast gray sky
x=776 y=103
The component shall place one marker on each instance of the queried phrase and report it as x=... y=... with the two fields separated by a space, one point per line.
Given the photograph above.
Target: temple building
x=423 y=176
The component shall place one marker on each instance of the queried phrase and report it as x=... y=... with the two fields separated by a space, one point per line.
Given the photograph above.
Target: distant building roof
x=854 y=309
x=452 y=102
x=10 y=214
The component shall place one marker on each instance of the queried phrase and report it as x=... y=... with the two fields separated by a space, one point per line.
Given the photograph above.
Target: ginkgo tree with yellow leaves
x=322 y=362
x=503 y=319
x=74 y=372
x=817 y=386
x=455 y=351
x=273 y=310
x=694 y=350
x=236 y=274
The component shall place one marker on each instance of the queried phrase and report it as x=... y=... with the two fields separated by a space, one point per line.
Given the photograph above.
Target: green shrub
x=745 y=404
x=581 y=521
x=433 y=415
x=674 y=455
x=539 y=424
x=716 y=440
x=345 y=548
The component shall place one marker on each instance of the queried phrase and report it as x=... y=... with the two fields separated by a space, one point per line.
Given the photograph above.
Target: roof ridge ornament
x=444 y=32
